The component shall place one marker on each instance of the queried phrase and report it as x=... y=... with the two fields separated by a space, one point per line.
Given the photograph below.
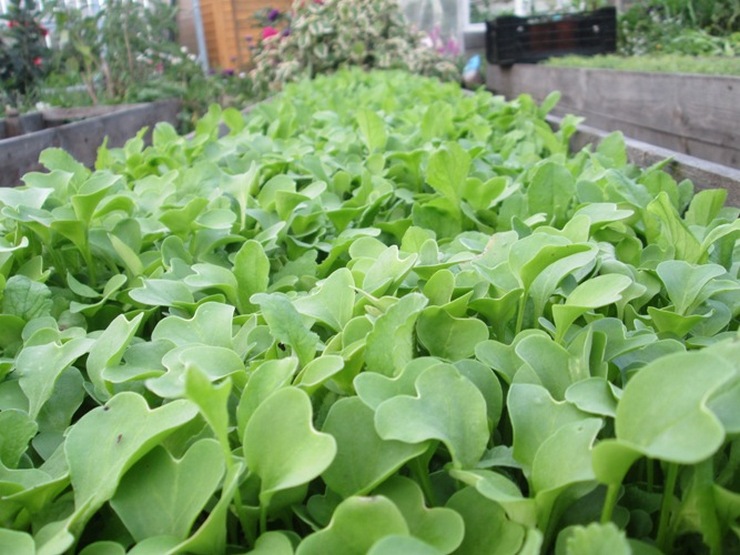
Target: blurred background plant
x=322 y=36
x=23 y=53
x=690 y=27
x=125 y=53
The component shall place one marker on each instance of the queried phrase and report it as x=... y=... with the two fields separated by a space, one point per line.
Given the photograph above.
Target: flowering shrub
x=23 y=51
x=325 y=35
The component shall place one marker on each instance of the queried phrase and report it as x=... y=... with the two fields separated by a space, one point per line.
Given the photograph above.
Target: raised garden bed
x=689 y=114
x=79 y=131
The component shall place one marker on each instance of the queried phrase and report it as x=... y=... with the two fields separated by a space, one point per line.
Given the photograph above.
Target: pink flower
x=37 y=61
x=268 y=32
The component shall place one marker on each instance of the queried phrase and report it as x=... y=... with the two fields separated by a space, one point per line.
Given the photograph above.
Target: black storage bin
x=512 y=39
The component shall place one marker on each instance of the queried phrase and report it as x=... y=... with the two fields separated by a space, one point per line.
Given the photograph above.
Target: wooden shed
x=226 y=25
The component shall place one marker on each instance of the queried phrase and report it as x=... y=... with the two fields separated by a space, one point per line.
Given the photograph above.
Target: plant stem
x=421 y=473
x=610 y=502
x=520 y=313
x=664 y=538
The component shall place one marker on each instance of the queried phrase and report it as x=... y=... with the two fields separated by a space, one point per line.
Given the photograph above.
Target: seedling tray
x=512 y=39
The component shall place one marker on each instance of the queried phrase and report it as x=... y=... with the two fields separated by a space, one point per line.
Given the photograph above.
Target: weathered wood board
x=81 y=139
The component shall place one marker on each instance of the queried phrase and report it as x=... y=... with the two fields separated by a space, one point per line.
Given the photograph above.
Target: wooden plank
x=692 y=114
x=81 y=139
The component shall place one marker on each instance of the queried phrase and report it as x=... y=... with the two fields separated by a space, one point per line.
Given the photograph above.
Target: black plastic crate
x=512 y=39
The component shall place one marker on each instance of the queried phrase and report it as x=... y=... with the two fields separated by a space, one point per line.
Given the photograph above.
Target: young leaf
x=448 y=407
x=448 y=169
x=108 y=440
x=390 y=346
x=281 y=445
x=448 y=337
x=439 y=527
x=286 y=326
x=674 y=426
x=363 y=458
x=357 y=523
x=488 y=531
x=164 y=496
x=372 y=129
x=252 y=273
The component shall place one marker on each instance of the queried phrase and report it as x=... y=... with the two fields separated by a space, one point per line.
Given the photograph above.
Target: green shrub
x=324 y=36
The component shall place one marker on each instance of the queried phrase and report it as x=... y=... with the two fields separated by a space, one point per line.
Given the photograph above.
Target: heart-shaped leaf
x=210 y=325
x=39 y=367
x=281 y=445
x=675 y=426
x=164 y=496
x=439 y=527
x=333 y=302
x=357 y=523
x=448 y=337
x=448 y=407
x=488 y=531
x=108 y=440
x=390 y=345
x=363 y=458
x=267 y=378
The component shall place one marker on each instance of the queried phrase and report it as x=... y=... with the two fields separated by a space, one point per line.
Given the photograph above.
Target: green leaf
x=594 y=539
x=16 y=431
x=108 y=349
x=448 y=169
x=25 y=298
x=372 y=129
x=564 y=458
x=108 y=440
x=211 y=536
x=447 y=337
x=488 y=531
x=286 y=326
x=591 y=294
x=705 y=206
x=272 y=543
x=212 y=401
x=267 y=378
x=551 y=192
x=17 y=543
x=356 y=525
x=535 y=417
x=333 y=302
x=665 y=228
x=281 y=445
x=161 y=495
x=439 y=527
x=391 y=545
x=39 y=367
x=363 y=458
x=676 y=425
x=162 y=292
x=684 y=282
x=448 y=407
x=210 y=325
x=390 y=345
x=252 y=273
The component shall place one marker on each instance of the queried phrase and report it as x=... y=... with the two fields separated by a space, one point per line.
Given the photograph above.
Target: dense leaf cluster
x=378 y=316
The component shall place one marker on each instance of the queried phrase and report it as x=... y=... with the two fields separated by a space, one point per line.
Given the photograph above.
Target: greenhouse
x=369 y=277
